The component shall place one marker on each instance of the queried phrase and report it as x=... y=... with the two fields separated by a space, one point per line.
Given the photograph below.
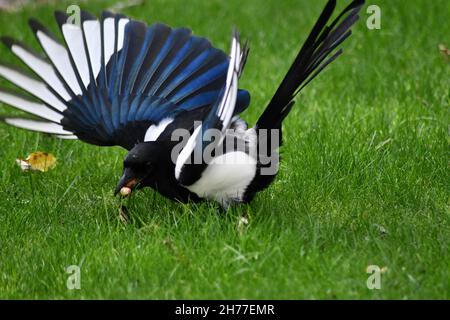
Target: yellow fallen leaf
x=38 y=161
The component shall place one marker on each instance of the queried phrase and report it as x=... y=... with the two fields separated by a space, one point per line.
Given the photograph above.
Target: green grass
x=364 y=178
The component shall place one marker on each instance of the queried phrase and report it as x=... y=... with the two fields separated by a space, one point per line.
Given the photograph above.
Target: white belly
x=226 y=178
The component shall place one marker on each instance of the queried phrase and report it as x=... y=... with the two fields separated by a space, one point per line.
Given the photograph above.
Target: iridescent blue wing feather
x=113 y=78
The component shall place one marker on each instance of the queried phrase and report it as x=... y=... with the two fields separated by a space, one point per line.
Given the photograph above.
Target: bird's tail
x=313 y=57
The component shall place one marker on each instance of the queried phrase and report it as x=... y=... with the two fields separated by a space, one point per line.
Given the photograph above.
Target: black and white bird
x=117 y=81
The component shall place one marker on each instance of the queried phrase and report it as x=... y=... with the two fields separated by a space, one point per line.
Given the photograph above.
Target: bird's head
x=138 y=167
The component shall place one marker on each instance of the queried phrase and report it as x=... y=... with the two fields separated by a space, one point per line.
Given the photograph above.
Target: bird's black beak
x=128 y=180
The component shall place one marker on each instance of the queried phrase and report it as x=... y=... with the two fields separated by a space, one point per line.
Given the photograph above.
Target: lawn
x=364 y=178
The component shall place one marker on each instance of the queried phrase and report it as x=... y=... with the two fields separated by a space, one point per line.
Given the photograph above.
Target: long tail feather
x=311 y=60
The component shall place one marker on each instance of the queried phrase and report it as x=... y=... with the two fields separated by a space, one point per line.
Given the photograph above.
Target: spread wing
x=113 y=78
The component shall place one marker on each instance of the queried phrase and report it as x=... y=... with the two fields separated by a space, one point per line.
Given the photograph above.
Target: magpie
x=167 y=96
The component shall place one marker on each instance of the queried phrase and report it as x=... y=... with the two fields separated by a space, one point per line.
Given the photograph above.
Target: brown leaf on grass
x=37 y=161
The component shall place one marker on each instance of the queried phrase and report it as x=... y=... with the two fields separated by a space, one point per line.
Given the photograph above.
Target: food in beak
x=125 y=191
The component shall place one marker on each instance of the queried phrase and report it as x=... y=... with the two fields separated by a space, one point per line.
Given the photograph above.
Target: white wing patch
x=186 y=152
x=226 y=108
x=121 y=32
x=154 y=131
x=41 y=126
x=67 y=137
x=93 y=41
x=75 y=42
x=33 y=86
x=109 y=31
x=43 y=69
x=59 y=56
x=38 y=109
